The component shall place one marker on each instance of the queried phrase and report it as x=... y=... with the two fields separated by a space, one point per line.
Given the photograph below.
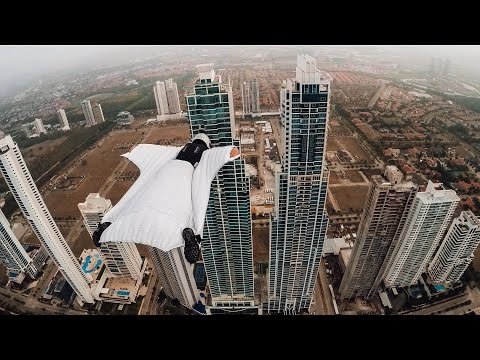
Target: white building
x=172 y=97
x=161 y=98
x=176 y=275
x=426 y=223
x=88 y=112
x=38 y=126
x=62 y=117
x=98 y=114
x=106 y=288
x=121 y=259
x=456 y=250
x=250 y=97
x=124 y=118
x=25 y=192
x=299 y=223
x=12 y=254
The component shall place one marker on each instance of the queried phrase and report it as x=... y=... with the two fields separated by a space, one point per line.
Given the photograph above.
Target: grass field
x=35 y=151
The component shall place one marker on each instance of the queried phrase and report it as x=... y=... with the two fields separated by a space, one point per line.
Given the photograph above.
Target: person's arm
x=211 y=162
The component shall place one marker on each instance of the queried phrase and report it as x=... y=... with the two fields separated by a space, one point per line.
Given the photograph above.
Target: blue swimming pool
x=439 y=287
x=123 y=293
x=87 y=268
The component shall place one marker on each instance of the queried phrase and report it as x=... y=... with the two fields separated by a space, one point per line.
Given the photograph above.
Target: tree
x=84 y=162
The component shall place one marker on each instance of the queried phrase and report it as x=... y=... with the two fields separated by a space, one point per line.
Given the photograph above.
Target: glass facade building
x=299 y=222
x=227 y=235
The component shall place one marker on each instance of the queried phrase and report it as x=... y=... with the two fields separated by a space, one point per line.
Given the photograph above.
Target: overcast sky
x=20 y=63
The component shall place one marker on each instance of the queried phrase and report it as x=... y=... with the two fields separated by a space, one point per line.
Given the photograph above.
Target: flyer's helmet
x=203 y=138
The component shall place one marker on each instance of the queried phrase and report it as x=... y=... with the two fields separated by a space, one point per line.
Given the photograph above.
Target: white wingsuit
x=169 y=196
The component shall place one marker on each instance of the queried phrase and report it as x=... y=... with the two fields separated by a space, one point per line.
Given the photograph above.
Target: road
x=24 y=304
x=322 y=303
x=149 y=300
x=277 y=133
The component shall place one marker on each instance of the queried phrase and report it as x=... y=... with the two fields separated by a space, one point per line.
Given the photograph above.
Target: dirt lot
x=84 y=241
x=100 y=164
x=350 y=144
x=369 y=172
x=35 y=151
x=118 y=190
x=350 y=197
x=260 y=243
x=354 y=176
x=461 y=152
x=333 y=178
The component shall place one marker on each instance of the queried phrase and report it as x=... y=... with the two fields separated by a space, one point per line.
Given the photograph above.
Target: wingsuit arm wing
x=146 y=157
x=211 y=162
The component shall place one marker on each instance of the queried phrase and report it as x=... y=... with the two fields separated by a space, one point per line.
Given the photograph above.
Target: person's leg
x=191 y=249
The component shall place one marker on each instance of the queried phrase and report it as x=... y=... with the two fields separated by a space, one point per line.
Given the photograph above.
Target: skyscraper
x=386 y=209
x=12 y=254
x=30 y=201
x=176 y=275
x=98 y=114
x=456 y=250
x=62 y=117
x=172 y=97
x=161 y=98
x=426 y=223
x=88 y=112
x=38 y=126
x=299 y=223
x=250 y=97
x=121 y=259
x=227 y=245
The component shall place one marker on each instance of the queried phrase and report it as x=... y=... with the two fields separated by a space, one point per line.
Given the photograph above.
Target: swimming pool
x=123 y=293
x=439 y=287
x=87 y=263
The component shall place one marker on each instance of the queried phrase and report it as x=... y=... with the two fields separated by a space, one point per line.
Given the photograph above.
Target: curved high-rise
x=25 y=192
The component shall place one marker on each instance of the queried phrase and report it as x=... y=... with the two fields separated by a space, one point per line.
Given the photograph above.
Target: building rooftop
x=119 y=288
x=95 y=204
x=435 y=192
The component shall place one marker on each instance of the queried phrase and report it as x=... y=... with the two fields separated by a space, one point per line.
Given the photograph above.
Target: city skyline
x=357 y=190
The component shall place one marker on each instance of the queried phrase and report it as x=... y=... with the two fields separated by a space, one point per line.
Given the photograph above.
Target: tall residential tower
x=38 y=126
x=98 y=114
x=33 y=207
x=12 y=254
x=172 y=97
x=386 y=210
x=299 y=223
x=456 y=250
x=121 y=259
x=160 y=94
x=250 y=97
x=428 y=219
x=62 y=117
x=227 y=246
x=88 y=112
x=176 y=275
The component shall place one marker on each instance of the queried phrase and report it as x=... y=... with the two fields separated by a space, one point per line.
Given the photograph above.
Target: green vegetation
x=50 y=163
x=24 y=142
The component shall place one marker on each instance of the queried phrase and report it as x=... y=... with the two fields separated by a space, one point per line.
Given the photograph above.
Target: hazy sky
x=19 y=64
